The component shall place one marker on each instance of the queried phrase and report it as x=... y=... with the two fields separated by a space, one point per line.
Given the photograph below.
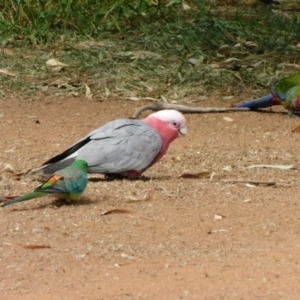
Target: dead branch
x=185 y=109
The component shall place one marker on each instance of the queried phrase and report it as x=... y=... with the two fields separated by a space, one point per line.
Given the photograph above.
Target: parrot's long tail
x=263 y=102
x=24 y=198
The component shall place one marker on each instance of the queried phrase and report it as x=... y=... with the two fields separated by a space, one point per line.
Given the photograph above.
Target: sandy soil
x=183 y=238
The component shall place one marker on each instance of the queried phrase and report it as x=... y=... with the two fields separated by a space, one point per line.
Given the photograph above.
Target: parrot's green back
x=75 y=179
x=282 y=86
x=67 y=184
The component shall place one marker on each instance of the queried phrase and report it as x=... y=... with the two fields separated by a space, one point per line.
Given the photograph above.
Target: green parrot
x=284 y=92
x=66 y=184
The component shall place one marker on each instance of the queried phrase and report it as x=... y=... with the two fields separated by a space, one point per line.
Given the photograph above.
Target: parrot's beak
x=183 y=130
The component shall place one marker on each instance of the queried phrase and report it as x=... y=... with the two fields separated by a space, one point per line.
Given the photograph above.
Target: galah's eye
x=174 y=123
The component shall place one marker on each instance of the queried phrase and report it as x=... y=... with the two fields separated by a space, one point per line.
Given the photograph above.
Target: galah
x=66 y=184
x=284 y=92
x=123 y=147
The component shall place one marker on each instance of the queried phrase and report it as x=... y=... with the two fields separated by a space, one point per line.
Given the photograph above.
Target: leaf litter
x=28 y=246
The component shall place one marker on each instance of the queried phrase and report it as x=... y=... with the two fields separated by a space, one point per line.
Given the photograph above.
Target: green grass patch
x=138 y=49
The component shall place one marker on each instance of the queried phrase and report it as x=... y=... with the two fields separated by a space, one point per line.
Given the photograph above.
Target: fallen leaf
x=139 y=54
x=214 y=66
x=247 y=200
x=33 y=247
x=53 y=62
x=116 y=211
x=185 y=6
x=227 y=119
x=219 y=217
x=258 y=63
x=135 y=199
x=192 y=61
x=134 y=98
x=164 y=99
x=230 y=59
x=7 y=51
x=206 y=174
x=227 y=168
x=227 y=97
x=90 y=44
x=5 y=72
x=249 y=181
x=55 y=65
x=281 y=167
x=292 y=66
x=296 y=129
x=9 y=168
x=88 y=93
x=224 y=49
x=250 y=185
x=251 y=45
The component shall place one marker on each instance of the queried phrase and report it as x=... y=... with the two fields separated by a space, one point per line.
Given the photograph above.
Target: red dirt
x=184 y=238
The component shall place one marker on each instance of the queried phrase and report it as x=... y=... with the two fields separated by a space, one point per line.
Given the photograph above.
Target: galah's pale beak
x=183 y=130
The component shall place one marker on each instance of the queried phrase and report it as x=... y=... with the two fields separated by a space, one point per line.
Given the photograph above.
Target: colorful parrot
x=284 y=92
x=123 y=147
x=66 y=184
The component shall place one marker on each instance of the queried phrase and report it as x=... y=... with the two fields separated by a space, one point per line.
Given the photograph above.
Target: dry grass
x=162 y=50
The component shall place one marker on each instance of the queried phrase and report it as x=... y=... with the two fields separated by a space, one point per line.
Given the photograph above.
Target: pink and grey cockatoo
x=122 y=147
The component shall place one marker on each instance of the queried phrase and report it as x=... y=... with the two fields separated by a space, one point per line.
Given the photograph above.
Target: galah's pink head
x=173 y=118
x=169 y=124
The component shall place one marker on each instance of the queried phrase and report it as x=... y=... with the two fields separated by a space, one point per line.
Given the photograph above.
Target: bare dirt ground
x=184 y=238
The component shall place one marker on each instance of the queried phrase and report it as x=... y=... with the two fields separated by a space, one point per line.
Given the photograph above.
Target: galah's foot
x=292 y=115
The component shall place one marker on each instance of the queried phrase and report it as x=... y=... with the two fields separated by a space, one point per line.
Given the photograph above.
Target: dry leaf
x=196 y=175
x=227 y=97
x=9 y=168
x=192 y=61
x=33 y=247
x=5 y=72
x=54 y=63
x=281 y=167
x=258 y=63
x=224 y=49
x=227 y=168
x=231 y=59
x=88 y=93
x=7 y=51
x=164 y=99
x=134 y=98
x=185 y=6
x=251 y=45
x=218 y=217
x=227 y=119
x=296 y=129
x=292 y=66
x=139 y=54
x=214 y=66
x=249 y=181
x=250 y=185
x=135 y=199
x=90 y=44
x=247 y=200
x=116 y=211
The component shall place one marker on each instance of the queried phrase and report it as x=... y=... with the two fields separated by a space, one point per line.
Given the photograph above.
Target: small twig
x=249 y=181
x=185 y=109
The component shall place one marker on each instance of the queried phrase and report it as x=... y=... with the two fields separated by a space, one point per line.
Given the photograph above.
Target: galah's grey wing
x=132 y=145
x=116 y=147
